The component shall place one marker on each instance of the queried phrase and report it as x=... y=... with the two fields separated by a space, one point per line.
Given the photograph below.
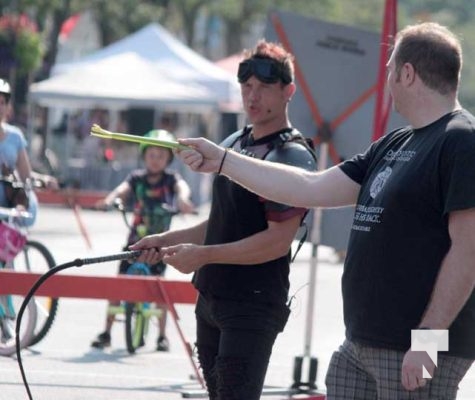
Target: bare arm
x=48 y=181
x=122 y=191
x=23 y=165
x=266 y=245
x=454 y=285
x=456 y=278
x=274 y=181
x=152 y=243
x=183 y=194
x=291 y=185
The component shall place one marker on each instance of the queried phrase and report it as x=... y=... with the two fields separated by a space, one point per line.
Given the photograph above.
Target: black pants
x=234 y=342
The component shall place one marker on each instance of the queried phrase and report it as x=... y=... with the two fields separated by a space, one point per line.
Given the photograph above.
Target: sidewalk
x=64 y=366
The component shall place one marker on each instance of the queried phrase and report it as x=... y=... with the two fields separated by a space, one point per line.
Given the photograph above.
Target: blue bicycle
x=138 y=314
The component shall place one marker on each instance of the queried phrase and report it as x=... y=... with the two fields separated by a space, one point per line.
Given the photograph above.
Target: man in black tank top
x=240 y=255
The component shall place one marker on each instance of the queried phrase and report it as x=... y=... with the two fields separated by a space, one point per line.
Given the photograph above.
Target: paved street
x=63 y=366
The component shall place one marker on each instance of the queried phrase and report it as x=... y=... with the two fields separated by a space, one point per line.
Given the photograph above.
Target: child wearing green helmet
x=160 y=134
x=150 y=189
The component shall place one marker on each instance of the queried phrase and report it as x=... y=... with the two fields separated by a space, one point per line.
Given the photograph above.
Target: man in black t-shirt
x=411 y=255
x=241 y=253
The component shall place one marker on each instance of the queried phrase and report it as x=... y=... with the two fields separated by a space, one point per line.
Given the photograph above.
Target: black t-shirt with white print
x=410 y=181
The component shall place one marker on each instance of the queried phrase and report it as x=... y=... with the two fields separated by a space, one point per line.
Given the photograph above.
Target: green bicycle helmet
x=160 y=134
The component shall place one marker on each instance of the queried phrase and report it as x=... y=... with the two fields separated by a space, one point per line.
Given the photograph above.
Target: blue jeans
x=234 y=343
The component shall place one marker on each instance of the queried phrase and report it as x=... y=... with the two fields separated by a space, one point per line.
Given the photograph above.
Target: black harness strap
x=285 y=136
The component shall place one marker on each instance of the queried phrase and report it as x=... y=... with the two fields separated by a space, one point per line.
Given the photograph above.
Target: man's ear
x=290 y=90
x=408 y=74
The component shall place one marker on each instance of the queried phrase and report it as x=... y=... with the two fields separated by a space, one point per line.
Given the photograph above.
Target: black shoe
x=102 y=340
x=162 y=344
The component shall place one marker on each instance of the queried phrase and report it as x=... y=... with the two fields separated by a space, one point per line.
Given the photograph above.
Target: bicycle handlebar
x=32 y=182
x=118 y=204
x=7 y=212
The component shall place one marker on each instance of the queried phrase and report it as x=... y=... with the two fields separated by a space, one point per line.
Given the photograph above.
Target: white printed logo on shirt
x=379 y=182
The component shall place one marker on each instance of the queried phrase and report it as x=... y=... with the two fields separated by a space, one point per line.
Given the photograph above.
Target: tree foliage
x=237 y=18
x=20 y=44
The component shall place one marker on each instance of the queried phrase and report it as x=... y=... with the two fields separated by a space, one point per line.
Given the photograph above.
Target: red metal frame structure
x=122 y=287
x=327 y=148
x=383 y=101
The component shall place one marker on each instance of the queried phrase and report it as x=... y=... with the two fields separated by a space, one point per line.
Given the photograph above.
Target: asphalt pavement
x=64 y=367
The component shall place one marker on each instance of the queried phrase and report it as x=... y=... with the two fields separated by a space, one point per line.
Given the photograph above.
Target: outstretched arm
x=269 y=244
x=151 y=245
x=274 y=181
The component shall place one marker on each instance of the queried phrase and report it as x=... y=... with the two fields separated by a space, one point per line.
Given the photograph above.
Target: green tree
x=20 y=40
x=118 y=18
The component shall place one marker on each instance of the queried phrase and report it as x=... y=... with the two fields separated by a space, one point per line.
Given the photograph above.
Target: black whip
x=126 y=255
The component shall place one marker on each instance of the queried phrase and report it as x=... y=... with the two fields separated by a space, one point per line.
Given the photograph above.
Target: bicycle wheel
x=9 y=307
x=35 y=257
x=134 y=326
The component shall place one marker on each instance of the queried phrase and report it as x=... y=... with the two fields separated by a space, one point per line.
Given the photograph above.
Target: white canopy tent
x=147 y=69
x=118 y=82
x=157 y=47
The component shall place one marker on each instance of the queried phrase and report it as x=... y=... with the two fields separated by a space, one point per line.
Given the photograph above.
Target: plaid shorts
x=359 y=372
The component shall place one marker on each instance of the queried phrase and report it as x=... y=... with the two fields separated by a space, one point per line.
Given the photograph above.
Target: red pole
x=279 y=29
x=383 y=102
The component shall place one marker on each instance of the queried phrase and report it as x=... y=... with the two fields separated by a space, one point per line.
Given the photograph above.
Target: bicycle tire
x=134 y=326
x=27 y=328
x=36 y=257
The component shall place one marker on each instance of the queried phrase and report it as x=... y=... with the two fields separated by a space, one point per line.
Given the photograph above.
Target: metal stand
x=307 y=361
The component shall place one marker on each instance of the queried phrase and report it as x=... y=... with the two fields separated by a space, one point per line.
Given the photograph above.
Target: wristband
x=222 y=160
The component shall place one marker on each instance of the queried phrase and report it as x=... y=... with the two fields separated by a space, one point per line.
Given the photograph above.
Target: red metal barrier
x=123 y=287
x=68 y=197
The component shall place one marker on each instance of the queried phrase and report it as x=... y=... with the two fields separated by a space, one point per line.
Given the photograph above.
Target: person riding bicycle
x=152 y=190
x=15 y=163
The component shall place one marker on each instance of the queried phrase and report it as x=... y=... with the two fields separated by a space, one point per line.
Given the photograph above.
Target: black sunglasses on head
x=264 y=69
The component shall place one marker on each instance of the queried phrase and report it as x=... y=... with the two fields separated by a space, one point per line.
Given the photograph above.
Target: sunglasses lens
x=244 y=71
x=264 y=69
